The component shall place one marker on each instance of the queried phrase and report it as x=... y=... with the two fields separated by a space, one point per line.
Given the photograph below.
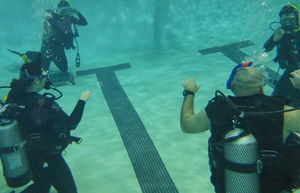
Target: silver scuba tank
x=13 y=156
x=242 y=151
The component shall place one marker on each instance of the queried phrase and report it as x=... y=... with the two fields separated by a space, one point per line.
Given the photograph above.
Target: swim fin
x=31 y=55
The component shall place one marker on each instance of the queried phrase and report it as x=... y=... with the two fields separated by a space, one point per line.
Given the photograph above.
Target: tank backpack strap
x=241 y=168
x=215 y=158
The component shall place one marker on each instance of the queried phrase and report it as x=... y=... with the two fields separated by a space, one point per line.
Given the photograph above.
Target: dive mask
x=64 y=11
x=289 y=23
x=24 y=75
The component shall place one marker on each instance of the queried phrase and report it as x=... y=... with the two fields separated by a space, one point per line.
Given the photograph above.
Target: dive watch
x=187 y=92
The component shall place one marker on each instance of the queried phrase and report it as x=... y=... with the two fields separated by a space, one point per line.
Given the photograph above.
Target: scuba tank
x=241 y=161
x=14 y=159
x=13 y=155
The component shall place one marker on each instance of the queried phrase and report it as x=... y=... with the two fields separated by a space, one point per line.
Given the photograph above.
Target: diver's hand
x=278 y=34
x=191 y=85
x=295 y=80
x=85 y=95
x=75 y=11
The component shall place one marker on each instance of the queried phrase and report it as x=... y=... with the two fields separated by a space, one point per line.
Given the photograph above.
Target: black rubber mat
x=61 y=79
x=147 y=163
x=231 y=51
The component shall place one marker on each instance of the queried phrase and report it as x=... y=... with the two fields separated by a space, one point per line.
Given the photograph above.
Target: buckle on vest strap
x=16 y=147
x=62 y=136
x=259 y=165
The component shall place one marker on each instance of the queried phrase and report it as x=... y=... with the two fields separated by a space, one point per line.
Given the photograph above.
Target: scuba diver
x=58 y=35
x=287 y=40
x=46 y=128
x=262 y=123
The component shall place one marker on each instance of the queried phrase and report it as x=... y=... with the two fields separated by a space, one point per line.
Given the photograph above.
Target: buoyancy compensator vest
x=47 y=133
x=243 y=159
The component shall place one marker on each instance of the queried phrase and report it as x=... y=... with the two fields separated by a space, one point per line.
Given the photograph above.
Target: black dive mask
x=64 y=12
x=289 y=24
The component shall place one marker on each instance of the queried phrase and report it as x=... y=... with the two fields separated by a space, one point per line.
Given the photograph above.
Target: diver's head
x=245 y=80
x=289 y=18
x=230 y=80
x=64 y=8
x=32 y=76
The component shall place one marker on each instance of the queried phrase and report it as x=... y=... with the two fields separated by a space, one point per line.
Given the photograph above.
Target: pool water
x=156 y=44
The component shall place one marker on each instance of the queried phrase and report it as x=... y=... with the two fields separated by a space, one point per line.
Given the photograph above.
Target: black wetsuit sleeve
x=76 y=115
x=270 y=44
x=72 y=121
x=80 y=21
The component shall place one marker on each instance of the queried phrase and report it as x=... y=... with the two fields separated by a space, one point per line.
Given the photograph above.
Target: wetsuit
x=47 y=130
x=57 y=36
x=288 y=57
x=268 y=131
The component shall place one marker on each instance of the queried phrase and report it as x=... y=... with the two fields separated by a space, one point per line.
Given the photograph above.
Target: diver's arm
x=270 y=44
x=73 y=120
x=81 y=21
x=295 y=79
x=59 y=116
x=273 y=40
x=76 y=115
x=190 y=122
x=291 y=120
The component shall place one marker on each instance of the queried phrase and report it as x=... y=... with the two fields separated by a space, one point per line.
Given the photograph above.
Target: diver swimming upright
x=58 y=35
x=287 y=41
x=46 y=128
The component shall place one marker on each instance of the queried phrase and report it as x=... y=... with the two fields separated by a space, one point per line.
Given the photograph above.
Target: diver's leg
x=61 y=177
x=60 y=59
x=40 y=178
x=46 y=62
x=47 y=55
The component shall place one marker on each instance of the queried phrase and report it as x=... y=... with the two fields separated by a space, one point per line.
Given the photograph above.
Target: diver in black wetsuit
x=287 y=40
x=46 y=127
x=58 y=34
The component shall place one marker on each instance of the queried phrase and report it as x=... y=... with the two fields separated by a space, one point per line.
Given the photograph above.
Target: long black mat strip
x=146 y=161
x=226 y=48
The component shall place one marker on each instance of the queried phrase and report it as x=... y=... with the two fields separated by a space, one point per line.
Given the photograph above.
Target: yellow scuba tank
x=241 y=162
x=14 y=159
